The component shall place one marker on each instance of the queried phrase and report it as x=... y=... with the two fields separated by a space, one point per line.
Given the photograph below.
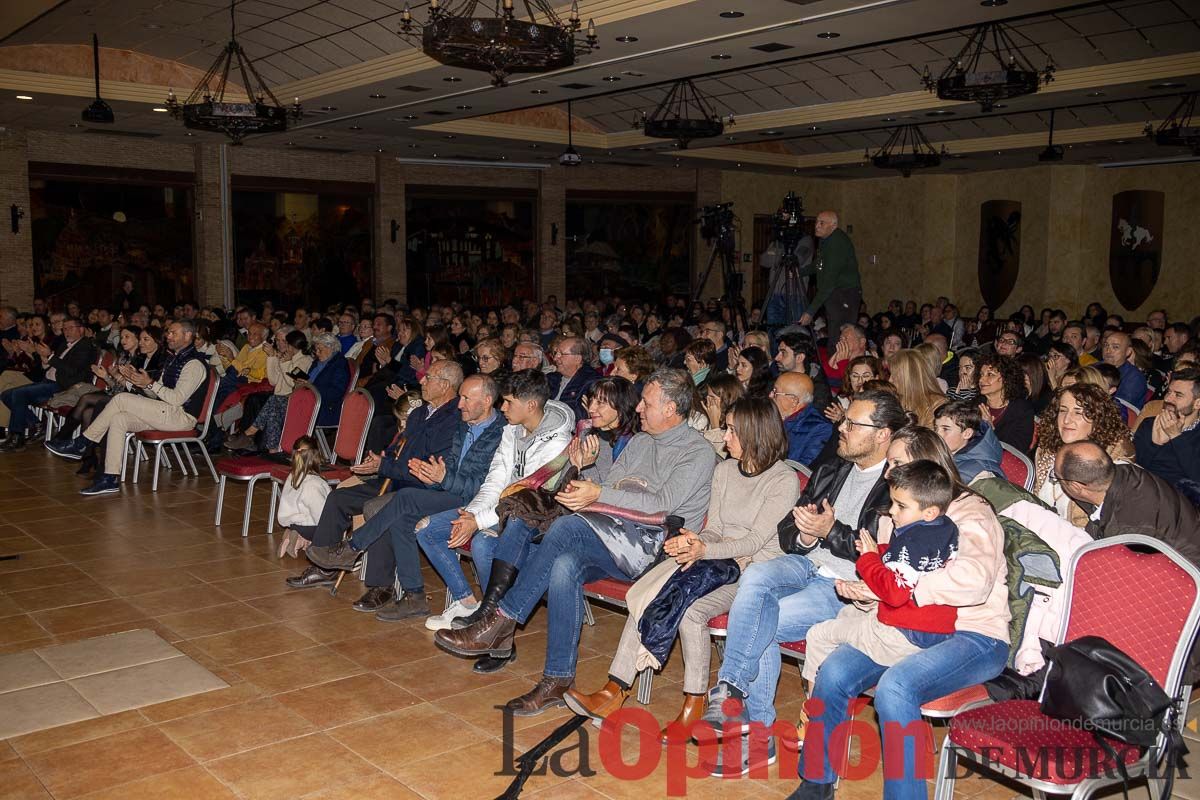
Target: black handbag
x=1093 y=684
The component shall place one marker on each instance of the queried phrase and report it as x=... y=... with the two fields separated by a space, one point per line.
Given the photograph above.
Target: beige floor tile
x=20 y=628
x=375 y=787
x=104 y=653
x=388 y=741
x=297 y=669
x=184 y=598
x=218 y=619
x=146 y=684
x=235 y=729
x=291 y=769
x=88 y=615
x=190 y=783
x=40 y=707
x=110 y=761
x=24 y=670
x=200 y=703
x=251 y=643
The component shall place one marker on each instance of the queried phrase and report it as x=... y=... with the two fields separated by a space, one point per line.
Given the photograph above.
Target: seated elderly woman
x=287 y=362
x=1077 y=413
x=974 y=582
x=750 y=493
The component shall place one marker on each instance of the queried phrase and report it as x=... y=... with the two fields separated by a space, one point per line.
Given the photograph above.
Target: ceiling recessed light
x=413 y=146
x=320 y=136
x=76 y=124
x=768 y=133
x=410 y=116
x=289 y=144
x=828 y=35
x=941 y=112
x=160 y=110
x=463 y=108
x=1167 y=85
x=720 y=57
x=889 y=119
x=627 y=39
x=378 y=149
x=534 y=146
x=356 y=127
x=452 y=79
x=377 y=96
x=153 y=26
x=828 y=166
x=329 y=108
x=24 y=97
x=188 y=133
x=814 y=127
x=730 y=138
x=738 y=164
x=611 y=78
x=1095 y=94
x=448 y=136
x=539 y=91
x=993 y=3
x=731 y=14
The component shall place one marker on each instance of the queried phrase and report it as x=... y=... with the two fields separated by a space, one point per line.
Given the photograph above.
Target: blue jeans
x=434 y=540
x=569 y=556
x=776 y=601
x=399 y=519
x=961 y=661
x=21 y=398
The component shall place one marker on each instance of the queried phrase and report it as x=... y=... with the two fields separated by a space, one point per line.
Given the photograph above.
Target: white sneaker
x=457 y=609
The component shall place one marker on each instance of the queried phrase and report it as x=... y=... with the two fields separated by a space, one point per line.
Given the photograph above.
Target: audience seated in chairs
x=288 y=359
x=751 y=492
x=667 y=468
x=168 y=403
x=426 y=438
x=970 y=438
x=69 y=363
x=389 y=535
x=807 y=428
x=22 y=364
x=1168 y=444
x=1003 y=397
x=574 y=374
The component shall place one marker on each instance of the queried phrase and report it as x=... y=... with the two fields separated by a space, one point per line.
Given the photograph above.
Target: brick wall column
x=16 y=249
x=551 y=263
x=207 y=240
x=390 y=276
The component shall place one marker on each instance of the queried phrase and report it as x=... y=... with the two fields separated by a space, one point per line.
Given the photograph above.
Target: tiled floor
x=322 y=703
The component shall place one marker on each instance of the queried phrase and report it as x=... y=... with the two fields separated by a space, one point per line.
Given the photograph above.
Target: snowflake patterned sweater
x=893 y=574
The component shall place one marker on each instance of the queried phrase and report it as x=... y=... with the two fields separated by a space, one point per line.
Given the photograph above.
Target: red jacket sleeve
x=882 y=581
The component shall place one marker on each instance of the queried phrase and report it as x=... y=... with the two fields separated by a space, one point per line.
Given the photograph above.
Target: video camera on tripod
x=717 y=224
x=789 y=220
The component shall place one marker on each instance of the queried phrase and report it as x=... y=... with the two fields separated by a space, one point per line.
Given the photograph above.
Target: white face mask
x=606 y=356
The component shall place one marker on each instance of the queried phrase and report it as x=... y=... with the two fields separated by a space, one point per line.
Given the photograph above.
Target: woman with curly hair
x=1082 y=411
x=916 y=384
x=1003 y=398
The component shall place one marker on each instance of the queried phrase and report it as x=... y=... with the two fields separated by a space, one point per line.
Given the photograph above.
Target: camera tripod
x=731 y=281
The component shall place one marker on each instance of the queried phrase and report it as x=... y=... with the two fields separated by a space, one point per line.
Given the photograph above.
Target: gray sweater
x=670 y=473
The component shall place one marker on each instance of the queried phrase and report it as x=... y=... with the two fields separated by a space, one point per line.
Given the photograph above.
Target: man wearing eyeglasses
x=779 y=600
x=807 y=429
x=574 y=375
x=427 y=438
x=1009 y=344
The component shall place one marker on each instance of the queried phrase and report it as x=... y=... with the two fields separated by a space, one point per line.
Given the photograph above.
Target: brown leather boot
x=491 y=636
x=599 y=704
x=692 y=711
x=547 y=694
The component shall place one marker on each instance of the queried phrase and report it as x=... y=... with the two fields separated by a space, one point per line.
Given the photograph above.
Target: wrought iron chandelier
x=988 y=69
x=683 y=115
x=490 y=37
x=905 y=150
x=1179 y=129
x=206 y=108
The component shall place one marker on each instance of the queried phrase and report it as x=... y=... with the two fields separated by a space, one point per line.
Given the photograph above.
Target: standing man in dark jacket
x=68 y=364
x=780 y=599
x=447 y=482
x=839 y=287
x=574 y=376
x=428 y=434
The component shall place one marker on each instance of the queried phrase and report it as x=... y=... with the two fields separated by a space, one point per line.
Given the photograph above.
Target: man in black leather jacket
x=780 y=599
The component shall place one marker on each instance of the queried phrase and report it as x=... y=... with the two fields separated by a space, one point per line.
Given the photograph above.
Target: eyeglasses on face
x=851 y=424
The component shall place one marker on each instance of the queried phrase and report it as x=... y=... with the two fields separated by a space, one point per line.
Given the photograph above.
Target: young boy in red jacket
x=923 y=541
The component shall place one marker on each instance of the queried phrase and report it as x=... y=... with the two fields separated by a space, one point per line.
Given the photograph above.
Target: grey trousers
x=694 y=641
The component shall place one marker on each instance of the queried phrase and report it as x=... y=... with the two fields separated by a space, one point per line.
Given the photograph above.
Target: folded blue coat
x=660 y=621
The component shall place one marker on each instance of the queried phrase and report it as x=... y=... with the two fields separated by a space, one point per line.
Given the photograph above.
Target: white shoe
x=457 y=609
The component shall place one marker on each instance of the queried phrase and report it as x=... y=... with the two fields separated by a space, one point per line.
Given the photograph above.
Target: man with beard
x=1169 y=444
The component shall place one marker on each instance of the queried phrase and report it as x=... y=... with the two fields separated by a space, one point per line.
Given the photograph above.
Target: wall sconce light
x=395 y=230
x=553 y=233
x=17 y=213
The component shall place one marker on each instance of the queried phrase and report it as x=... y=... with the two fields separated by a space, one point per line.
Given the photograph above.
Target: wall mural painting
x=1135 y=245
x=999 y=249
x=88 y=237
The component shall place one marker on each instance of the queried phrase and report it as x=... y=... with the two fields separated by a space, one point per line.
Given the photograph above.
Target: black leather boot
x=503 y=576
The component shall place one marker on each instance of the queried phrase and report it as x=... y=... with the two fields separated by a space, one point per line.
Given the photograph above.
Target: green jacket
x=835 y=266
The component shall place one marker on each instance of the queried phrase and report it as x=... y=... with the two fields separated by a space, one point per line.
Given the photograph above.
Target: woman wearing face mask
x=699 y=357
x=606 y=352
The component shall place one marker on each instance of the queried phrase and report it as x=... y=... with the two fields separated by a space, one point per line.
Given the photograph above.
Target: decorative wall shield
x=1135 y=245
x=999 y=249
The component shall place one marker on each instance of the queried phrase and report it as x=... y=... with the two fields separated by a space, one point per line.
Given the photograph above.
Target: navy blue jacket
x=424 y=437
x=660 y=621
x=402 y=372
x=332 y=383
x=1175 y=461
x=982 y=453
x=465 y=479
x=576 y=388
x=807 y=432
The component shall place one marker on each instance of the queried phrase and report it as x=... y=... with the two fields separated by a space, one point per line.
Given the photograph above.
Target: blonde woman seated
x=916 y=385
x=751 y=492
